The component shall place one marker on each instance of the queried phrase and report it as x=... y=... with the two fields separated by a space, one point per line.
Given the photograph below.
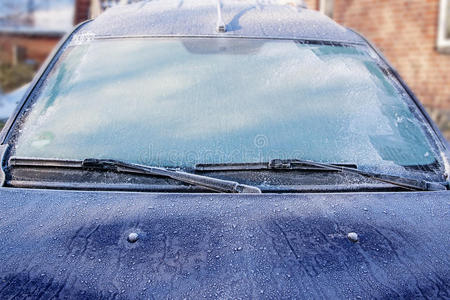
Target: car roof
x=259 y=19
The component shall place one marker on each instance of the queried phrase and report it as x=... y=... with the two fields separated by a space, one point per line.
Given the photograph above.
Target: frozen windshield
x=179 y=102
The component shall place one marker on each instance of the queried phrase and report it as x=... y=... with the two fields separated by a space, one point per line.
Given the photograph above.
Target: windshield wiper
x=215 y=184
x=297 y=164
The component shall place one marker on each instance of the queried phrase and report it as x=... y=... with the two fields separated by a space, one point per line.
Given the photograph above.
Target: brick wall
x=37 y=47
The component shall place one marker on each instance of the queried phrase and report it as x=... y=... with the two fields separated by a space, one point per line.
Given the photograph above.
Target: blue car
x=188 y=150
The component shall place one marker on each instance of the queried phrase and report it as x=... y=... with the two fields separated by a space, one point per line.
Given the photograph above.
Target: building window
x=326 y=7
x=443 y=43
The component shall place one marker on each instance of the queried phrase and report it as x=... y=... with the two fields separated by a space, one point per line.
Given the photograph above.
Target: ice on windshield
x=172 y=102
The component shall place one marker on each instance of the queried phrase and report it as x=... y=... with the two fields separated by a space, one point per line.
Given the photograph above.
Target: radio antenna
x=221 y=27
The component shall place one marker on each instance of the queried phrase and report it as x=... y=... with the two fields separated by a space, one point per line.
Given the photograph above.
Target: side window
x=443 y=42
x=326 y=7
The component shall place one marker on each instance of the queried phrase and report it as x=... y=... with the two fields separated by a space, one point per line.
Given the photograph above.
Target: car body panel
x=74 y=244
x=9 y=101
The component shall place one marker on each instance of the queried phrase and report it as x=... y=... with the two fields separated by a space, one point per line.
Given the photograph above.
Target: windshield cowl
x=310 y=177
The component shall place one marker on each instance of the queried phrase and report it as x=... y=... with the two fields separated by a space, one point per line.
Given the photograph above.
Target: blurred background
x=413 y=34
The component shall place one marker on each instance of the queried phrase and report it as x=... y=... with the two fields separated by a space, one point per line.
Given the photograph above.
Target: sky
x=47 y=14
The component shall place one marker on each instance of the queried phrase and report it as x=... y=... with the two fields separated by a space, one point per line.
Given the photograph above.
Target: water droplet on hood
x=353 y=237
x=133 y=237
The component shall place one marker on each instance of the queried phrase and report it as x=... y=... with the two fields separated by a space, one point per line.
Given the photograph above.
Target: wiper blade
x=297 y=164
x=215 y=184
x=275 y=164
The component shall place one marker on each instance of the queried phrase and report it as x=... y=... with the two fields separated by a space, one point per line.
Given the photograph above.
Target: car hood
x=74 y=244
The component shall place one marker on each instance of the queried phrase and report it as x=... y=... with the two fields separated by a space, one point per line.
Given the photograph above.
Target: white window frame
x=443 y=41
x=323 y=7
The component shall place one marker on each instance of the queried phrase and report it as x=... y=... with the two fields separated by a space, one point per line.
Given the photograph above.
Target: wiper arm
x=407 y=183
x=215 y=184
x=297 y=164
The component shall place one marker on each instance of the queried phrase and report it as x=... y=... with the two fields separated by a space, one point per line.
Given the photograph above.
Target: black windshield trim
x=181 y=188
